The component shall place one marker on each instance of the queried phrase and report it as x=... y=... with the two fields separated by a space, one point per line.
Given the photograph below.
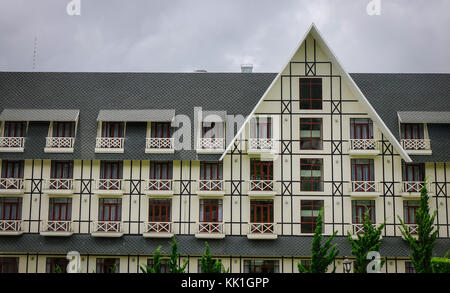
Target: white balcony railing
x=109 y=184
x=359 y=228
x=109 y=142
x=210 y=185
x=10 y=225
x=107 y=226
x=211 y=143
x=412 y=186
x=363 y=144
x=416 y=144
x=59 y=142
x=159 y=184
x=261 y=185
x=11 y=183
x=12 y=142
x=210 y=227
x=262 y=228
x=158 y=227
x=364 y=186
x=59 y=184
x=413 y=228
x=57 y=226
x=160 y=143
x=261 y=144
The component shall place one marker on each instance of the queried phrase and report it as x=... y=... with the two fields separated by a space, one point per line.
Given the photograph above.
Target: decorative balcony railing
x=107 y=226
x=160 y=143
x=158 y=227
x=57 y=226
x=210 y=185
x=412 y=186
x=10 y=225
x=60 y=142
x=159 y=184
x=413 y=228
x=363 y=144
x=261 y=144
x=364 y=186
x=416 y=144
x=109 y=142
x=359 y=228
x=261 y=228
x=210 y=227
x=59 y=184
x=261 y=185
x=11 y=183
x=211 y=143
x=109 y=184
x=12 y=142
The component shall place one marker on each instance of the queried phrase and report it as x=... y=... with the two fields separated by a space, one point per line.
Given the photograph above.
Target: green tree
x=366 y=242
x=156 y=268
x=320 y=257
x=173 y=260
x=421 y=245
x=210 y=265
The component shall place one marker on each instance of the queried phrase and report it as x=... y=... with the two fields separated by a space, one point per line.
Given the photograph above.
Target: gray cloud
x=177 y=35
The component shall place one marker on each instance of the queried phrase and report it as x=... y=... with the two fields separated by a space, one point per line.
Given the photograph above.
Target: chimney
x=246 y=68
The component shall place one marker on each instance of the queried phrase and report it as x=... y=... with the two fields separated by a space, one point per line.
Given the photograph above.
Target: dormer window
x=160 y=139
x=261 y=135
x=111 y=138
x=413 y=137
x=61 y=138
x=13 y=137
x=212 y=137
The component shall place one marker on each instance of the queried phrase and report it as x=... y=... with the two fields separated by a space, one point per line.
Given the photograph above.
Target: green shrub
x=440 y=265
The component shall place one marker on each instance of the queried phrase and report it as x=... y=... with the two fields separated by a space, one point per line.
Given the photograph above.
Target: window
x=306 y=263
x=63 y=129
x=110 y=173
x=311 y=134
x=409 y=267
x=62 y=170
x=210 y=174
x=413 y=172
x=410 y=208
x=107 y=265
x=309 y=212
x=211 y=210
x=163 y=265
x=112 y=129
x=212 y=130
x=359 y=209
x=14 y=129
x=160 y=130
x=261 y=127
x=311 y=176
x=411 y=131
x=261 y=266
x=261 y=211
x=12 y=169
x=261 y=170
x=10 y=209
x=361 y=128
x=310 y=93
x=60 y=209
x=161 y=170
x=363 y=172
x=110 y=209
x=9 y=265
x=159 y=210
x=56 y=264
x=199 y=265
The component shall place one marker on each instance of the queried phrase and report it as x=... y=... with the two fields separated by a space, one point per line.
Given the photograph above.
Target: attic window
x=310 y=93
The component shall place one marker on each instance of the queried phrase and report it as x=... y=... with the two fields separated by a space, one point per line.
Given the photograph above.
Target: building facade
x=95 y=163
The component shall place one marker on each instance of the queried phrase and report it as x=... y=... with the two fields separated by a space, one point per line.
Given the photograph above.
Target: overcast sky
x=219 y=35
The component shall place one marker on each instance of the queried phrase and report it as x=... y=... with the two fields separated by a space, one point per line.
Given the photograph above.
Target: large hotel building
x=95 y=163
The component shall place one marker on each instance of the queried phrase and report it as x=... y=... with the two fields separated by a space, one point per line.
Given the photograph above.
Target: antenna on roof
x=34 y=53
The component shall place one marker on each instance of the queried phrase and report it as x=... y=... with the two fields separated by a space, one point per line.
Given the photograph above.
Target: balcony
x=58 y=186
x=12 y=144
x=59 y=144
x=263 y=147
x=358 y=229
x=261 y=188
x=417 y=146
x=364 y=147
x=107 y=229
x=159 y=187
x=109 y=186
x=109 y=145
x=413 y=229
x=211 y=145
x=158 y=230
x=10 y=227
x=411 y=189
x=365 y=189
x=11 y=185
x=210 y=230
x=262 y=231
x=56 y=228
x=159 y=145
x=210 y=188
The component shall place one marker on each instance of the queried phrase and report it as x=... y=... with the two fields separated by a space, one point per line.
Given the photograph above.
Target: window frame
x=313 y=223
x=310 y=100
x=261 y=207
x=310 y=162
x=207 y=214
x=311 y=122
x=156 y=208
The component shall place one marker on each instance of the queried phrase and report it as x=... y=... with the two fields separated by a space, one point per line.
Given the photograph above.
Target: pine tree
x=320 y=257
x=208 y=264
x=156 y=268
x=369 y=241
x=422 y=245
x=174 y=256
